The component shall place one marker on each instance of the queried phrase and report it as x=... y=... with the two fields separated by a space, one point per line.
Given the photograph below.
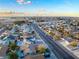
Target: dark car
x=47 y=53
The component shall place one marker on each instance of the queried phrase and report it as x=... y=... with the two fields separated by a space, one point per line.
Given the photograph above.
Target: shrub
x=73 y=43
x=57 y=37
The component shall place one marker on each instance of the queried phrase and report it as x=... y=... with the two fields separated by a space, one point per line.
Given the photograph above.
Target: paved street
x=59 y=52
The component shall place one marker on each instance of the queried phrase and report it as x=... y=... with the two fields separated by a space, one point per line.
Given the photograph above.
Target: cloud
x=24 y=2
x=28 y=2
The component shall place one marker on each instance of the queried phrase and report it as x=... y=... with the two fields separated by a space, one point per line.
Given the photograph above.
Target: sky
x=42 y=7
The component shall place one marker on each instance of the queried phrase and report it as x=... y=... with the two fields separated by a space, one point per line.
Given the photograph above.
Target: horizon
x=41 y=7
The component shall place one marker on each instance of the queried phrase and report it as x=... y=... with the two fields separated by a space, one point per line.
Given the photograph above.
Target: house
x=35 y=57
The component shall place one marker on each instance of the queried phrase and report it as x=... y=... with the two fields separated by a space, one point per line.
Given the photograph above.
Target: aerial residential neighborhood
x=39 y=29
x=21 y=39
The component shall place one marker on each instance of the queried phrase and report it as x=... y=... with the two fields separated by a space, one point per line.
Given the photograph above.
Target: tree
x=73 y=43
x=41 y=49
x=19 y=22
x=57 y=37
x=66 y=33
x=77 y=35
x=11 y=52
x=12 y=45
x=12 y=55
x=51 y=33
x=61 y=29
